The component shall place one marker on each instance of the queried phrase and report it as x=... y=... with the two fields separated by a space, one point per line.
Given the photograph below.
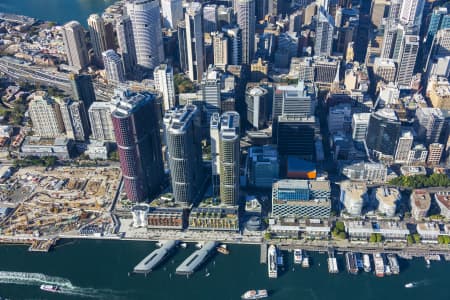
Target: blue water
x=60 y=11
x=99 y=270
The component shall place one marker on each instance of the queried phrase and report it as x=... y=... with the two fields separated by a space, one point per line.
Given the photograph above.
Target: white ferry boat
x=305 y=262
x=254 y=294
x=49 y=288
x=410 y=285
x=272 y=262
x=298 y=256
x=366 y=262
x=379 y=265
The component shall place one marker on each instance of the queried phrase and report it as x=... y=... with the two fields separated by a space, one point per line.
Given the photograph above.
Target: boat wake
x=65 y=286
x=420 y=283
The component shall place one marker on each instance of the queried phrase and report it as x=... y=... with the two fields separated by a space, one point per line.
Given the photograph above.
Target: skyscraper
x=210 y=90
x=440 y=19
x=247 y=21
x=182 y=46
x=194 y=41
x=183 y=134
x=404 y=145
x=138 y=141
x=411 y=12
x=229 y=156
x=45 y=115
x=324 y=33
x=257 y=101
x=408 y=57
x=163 y=76
x=220 y=49
x=172 y=12
x=127 y=47
x=429 y=124
x=145 y=21
x=75 y=45
x=383 y=132
x=295 y=135
x=101 y=121
x=210 y=18
x=113 y=67
x=82 y=88
x=234 y=44
x=98 y=36
x=75 y=119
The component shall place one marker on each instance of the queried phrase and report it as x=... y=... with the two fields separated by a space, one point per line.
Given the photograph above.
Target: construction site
x=58 y=201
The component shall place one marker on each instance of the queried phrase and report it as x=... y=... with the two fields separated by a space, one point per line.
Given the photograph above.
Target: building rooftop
x=421 y=199
x=389 y=196
x=443 y=198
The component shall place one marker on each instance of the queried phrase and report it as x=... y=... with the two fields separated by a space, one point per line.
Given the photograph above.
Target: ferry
x=366 y=260
x=49 y=288
x=393 y=263
x=379 y=265
x=272 y=262
x=183 y=245
x=298 y=256
x=410 y=285
x=352 y=266
x=254 y=294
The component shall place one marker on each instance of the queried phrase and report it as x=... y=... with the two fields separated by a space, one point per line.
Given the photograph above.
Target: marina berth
x=190 y=264
x=152 y=260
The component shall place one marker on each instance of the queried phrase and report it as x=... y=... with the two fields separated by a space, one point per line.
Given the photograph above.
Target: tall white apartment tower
x=194 y=41
x=45 y=115
x=324 y=33
x=101 y=122
x=75 y=45
x=163 y=76
x=98 y=36
x=146 y=25
x=172 y=12
x=113 y=67
x=246 y=20
x=408 y=57
x=220 y=49
x=404 y=145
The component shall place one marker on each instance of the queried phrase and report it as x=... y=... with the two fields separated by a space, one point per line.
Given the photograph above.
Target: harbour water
x=89 y=269
x=59 y=11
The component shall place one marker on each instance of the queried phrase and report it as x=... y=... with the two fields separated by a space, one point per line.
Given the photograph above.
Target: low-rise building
x=392 y=231
x=214 y=217
x=413 y=170
x=420 y=204
x=428 y=231
x=97 y=150
x=61 y=147
x=374 y=172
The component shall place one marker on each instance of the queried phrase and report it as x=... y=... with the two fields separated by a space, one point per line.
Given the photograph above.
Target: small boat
x=428 y=262
x=207 y=274
x=298 y=256
x=49 y=288
x=410 y=285
x=366 y=262
x=199 y=245
x=254 y=294
x=305 y=262
x=183 y=245
x=223 y=250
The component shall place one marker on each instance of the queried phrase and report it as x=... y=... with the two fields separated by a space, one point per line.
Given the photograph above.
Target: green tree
x=409 y=239
x=416 y=238
x=267 y=236
x=340 y=226
x=379 y=238
x=373 y=238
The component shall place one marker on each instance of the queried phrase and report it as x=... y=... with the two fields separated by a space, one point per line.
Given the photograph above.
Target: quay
x=152 y=260
x=190 y=264
x=42 y=245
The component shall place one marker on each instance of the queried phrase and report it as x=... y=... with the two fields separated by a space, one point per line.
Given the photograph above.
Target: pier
x=190 y=264
x=42 y=245
x=152 y=260
x=263 y=258
x=332 y=262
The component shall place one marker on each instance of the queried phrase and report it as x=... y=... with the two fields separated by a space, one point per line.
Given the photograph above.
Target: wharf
x=41 y=245
x=332 y=262
x=156 y=257
x=190 y=264
x=263 y=258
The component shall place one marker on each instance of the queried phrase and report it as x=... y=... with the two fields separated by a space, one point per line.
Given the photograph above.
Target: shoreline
x=408 y=251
